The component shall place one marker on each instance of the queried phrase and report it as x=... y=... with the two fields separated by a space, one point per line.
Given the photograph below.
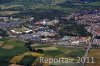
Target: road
x=88 y=48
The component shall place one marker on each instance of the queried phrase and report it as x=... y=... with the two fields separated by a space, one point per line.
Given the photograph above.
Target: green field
x=15 y=43
x=7 y=54
x=75 y=54
x=27 y=60
x=49 y=51
x=95 y=3
x=59 y=51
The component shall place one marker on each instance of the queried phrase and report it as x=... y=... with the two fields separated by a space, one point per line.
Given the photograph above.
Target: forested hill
x=43 y=1
x=31 y=1
x=90 y=0
x=6 y=1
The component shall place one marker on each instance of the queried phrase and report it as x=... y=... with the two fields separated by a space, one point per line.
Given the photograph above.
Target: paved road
x=88 y=48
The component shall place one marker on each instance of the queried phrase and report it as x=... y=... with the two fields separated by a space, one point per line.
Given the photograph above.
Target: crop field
x=58 y=51
x=8 y=12
x=95 y=3
x=15 y=43
x=9 y=6
x=9 y=49
x=7 y=46
x=14 y=51
x=96 y=54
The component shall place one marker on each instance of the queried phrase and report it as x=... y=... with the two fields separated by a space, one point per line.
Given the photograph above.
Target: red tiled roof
x=38 y=23
x=97 y=31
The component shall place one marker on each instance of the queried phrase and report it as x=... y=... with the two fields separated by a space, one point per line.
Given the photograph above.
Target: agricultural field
x=9 y=6
x=95 y=3
x=8 y=12
x=58 y=51
x=96 y=54
x=14 y=51
x=10 y=49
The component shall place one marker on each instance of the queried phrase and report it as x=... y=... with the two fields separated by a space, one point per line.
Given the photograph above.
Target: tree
x=3 y=33
x=39 y=50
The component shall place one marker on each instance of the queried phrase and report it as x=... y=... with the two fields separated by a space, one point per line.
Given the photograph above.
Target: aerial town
x=25 y=39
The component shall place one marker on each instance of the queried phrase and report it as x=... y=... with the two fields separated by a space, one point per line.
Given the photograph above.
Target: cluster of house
x=77 y=41
x=20 y=30
x=40 y=31
x=92 y=20
x=96 y=41
x=7 y=19
x=17 y=27
x=47 y=22
x=88 y=18
x=9 y=24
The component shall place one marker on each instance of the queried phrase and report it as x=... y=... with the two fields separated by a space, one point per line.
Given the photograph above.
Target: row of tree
x=28 y=45
x=6 y=1
x=3 y=33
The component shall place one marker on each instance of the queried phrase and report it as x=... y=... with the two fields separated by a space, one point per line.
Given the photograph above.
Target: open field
x=58 y=51
x=10 y=49
x=15 y=48
x=48 y=48
x=27 y=60
x=9 y=6
x=8 y=12
x=15 y=43
x=96 y=54
x=68 y=64
x=95 y=3
x=7 y=46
